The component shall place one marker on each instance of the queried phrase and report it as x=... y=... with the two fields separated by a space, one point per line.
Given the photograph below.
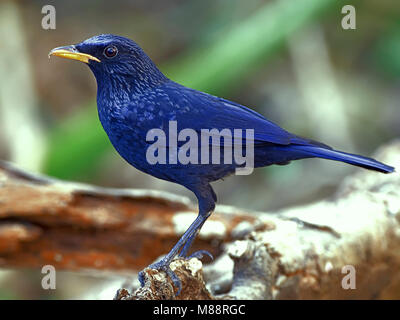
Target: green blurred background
x=289 y=60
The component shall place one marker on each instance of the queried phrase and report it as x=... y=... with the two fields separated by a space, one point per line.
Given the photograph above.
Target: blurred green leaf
x=217 y=67
x=387 y=52
x=76 y=146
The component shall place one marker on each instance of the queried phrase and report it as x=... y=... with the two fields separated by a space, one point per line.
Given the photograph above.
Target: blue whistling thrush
x=134 y=97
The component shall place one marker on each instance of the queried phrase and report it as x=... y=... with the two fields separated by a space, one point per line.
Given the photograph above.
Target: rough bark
x=74 y=226
x=297 y=253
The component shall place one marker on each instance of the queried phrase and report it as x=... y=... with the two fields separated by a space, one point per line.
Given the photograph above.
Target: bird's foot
x=183 y=245
x=198 y=254
x=163 y=265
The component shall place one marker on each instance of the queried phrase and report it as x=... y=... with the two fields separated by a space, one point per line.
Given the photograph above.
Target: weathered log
x=74 y=226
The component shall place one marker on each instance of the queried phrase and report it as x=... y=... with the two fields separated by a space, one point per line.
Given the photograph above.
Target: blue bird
x=134 y=97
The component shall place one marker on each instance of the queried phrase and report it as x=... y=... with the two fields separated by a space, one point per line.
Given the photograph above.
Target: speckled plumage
x=134 y=97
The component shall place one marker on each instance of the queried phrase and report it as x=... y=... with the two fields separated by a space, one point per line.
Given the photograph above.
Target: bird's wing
x=204 y=111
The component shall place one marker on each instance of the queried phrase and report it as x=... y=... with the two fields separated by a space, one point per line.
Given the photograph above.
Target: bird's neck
x=133 y=78
x=128 y=86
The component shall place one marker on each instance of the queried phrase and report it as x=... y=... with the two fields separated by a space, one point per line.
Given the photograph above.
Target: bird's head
x=114 y=60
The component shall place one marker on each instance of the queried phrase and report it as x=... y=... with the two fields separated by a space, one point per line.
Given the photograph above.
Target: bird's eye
x=110 y=51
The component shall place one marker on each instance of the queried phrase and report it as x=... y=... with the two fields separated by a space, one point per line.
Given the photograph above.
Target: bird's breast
x=126 y=123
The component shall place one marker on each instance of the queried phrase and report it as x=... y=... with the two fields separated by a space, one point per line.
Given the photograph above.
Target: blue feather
x=356 y=160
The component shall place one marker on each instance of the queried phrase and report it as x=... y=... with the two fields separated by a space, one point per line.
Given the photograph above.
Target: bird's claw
x=200 y=255
x=175 y=280
x=163 y=266
x=141 y=278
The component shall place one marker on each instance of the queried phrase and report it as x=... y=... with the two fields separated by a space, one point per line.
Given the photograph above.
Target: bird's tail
x=356 y=160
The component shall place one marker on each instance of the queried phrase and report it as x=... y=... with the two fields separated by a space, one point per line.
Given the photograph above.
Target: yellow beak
x=70 y=52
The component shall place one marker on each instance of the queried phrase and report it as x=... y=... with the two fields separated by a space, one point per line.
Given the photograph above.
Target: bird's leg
x=198 y=254
x=164 y=263
x=188 y=244
x=207 y=198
